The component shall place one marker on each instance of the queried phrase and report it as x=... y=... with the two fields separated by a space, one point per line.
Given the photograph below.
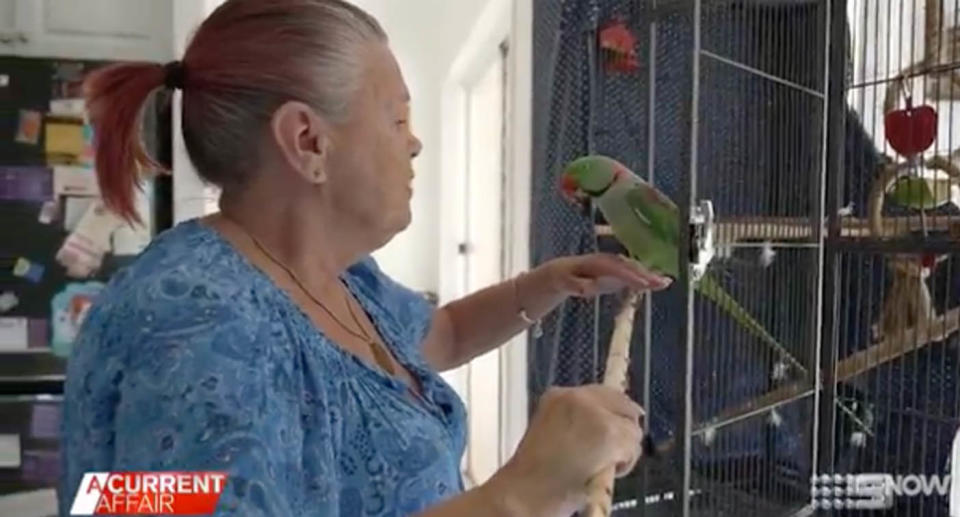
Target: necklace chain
x=375 y=347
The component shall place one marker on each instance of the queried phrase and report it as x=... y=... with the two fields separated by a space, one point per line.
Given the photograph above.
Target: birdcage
x=810 y=145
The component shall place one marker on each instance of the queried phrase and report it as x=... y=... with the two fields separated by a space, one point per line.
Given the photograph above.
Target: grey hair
x=250 y=57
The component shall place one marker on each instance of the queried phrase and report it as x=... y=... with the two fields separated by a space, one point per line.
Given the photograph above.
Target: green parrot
x=925 y=193
x=647 y=224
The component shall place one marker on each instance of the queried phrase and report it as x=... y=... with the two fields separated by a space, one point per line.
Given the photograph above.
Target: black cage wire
x=822 y=132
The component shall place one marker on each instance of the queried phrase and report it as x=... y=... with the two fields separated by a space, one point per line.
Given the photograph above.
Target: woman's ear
x=302 y=139
x=322 y=145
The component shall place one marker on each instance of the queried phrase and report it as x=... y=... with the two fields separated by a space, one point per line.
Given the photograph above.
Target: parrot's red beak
x=571 y=190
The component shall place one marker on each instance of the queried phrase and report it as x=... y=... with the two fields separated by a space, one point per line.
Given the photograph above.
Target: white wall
x=425 y=35
x=191 y=198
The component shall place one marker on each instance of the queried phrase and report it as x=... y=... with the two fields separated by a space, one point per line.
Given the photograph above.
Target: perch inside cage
x=908 y=320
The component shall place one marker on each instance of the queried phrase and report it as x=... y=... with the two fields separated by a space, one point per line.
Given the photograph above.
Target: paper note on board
x=68 y=108
x=75 y=181
x=36 y=503
x=130 y=239
x=64 y=140
x=82 y=253
x=13 y=334
x=26 y=184
x=9 y=451
x=74 y=208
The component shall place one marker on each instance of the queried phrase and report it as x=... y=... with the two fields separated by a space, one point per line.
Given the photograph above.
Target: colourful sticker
x=28 y=130
x=88 y=154
x=28 y=270
x=8 y=301
x=69 y=309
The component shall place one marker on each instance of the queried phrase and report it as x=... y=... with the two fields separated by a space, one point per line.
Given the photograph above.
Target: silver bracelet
x=537 y=324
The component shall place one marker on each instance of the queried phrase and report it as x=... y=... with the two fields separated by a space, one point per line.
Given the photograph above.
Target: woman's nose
x=415 y=146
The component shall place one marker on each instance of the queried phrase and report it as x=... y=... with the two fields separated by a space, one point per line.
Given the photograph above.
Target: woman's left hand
x=598 y=273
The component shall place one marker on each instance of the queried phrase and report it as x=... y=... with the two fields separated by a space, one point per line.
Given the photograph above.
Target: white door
x=483 y=252
x=8 y=19
x=484 y=223
x=93 y=29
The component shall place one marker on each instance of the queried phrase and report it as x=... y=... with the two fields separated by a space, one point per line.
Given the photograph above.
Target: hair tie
x=173 y=75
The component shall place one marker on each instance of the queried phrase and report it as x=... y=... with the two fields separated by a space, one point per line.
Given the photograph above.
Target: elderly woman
x=264 y=341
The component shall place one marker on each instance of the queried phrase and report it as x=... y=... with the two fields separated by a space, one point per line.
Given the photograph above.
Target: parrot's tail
x=713 y=291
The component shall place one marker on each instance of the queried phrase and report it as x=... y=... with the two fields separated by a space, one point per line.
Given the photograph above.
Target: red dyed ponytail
x=115 y=97
x=244 y=61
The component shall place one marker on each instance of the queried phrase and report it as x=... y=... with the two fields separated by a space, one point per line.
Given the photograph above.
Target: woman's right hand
x=574 y=434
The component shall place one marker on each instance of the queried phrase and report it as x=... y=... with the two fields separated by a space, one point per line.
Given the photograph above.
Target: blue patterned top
x=193 y=359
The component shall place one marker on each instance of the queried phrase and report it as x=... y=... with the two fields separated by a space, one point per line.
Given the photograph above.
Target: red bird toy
x=619 y=47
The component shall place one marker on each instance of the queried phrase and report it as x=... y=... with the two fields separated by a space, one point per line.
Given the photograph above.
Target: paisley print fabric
x=192 y=359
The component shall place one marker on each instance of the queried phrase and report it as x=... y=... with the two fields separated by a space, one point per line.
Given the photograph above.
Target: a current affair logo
x=148 y=493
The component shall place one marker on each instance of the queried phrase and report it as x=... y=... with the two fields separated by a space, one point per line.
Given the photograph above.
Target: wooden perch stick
x=909 y=340
x=600 y=489
x=784 y=229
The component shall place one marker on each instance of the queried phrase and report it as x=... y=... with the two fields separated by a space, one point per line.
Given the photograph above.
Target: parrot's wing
x=656 y=210
x=646 y=231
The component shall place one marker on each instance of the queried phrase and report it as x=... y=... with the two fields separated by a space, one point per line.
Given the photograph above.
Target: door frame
x=508 y=21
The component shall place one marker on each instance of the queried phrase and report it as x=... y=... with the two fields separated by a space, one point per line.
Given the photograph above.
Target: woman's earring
x=319 y=176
